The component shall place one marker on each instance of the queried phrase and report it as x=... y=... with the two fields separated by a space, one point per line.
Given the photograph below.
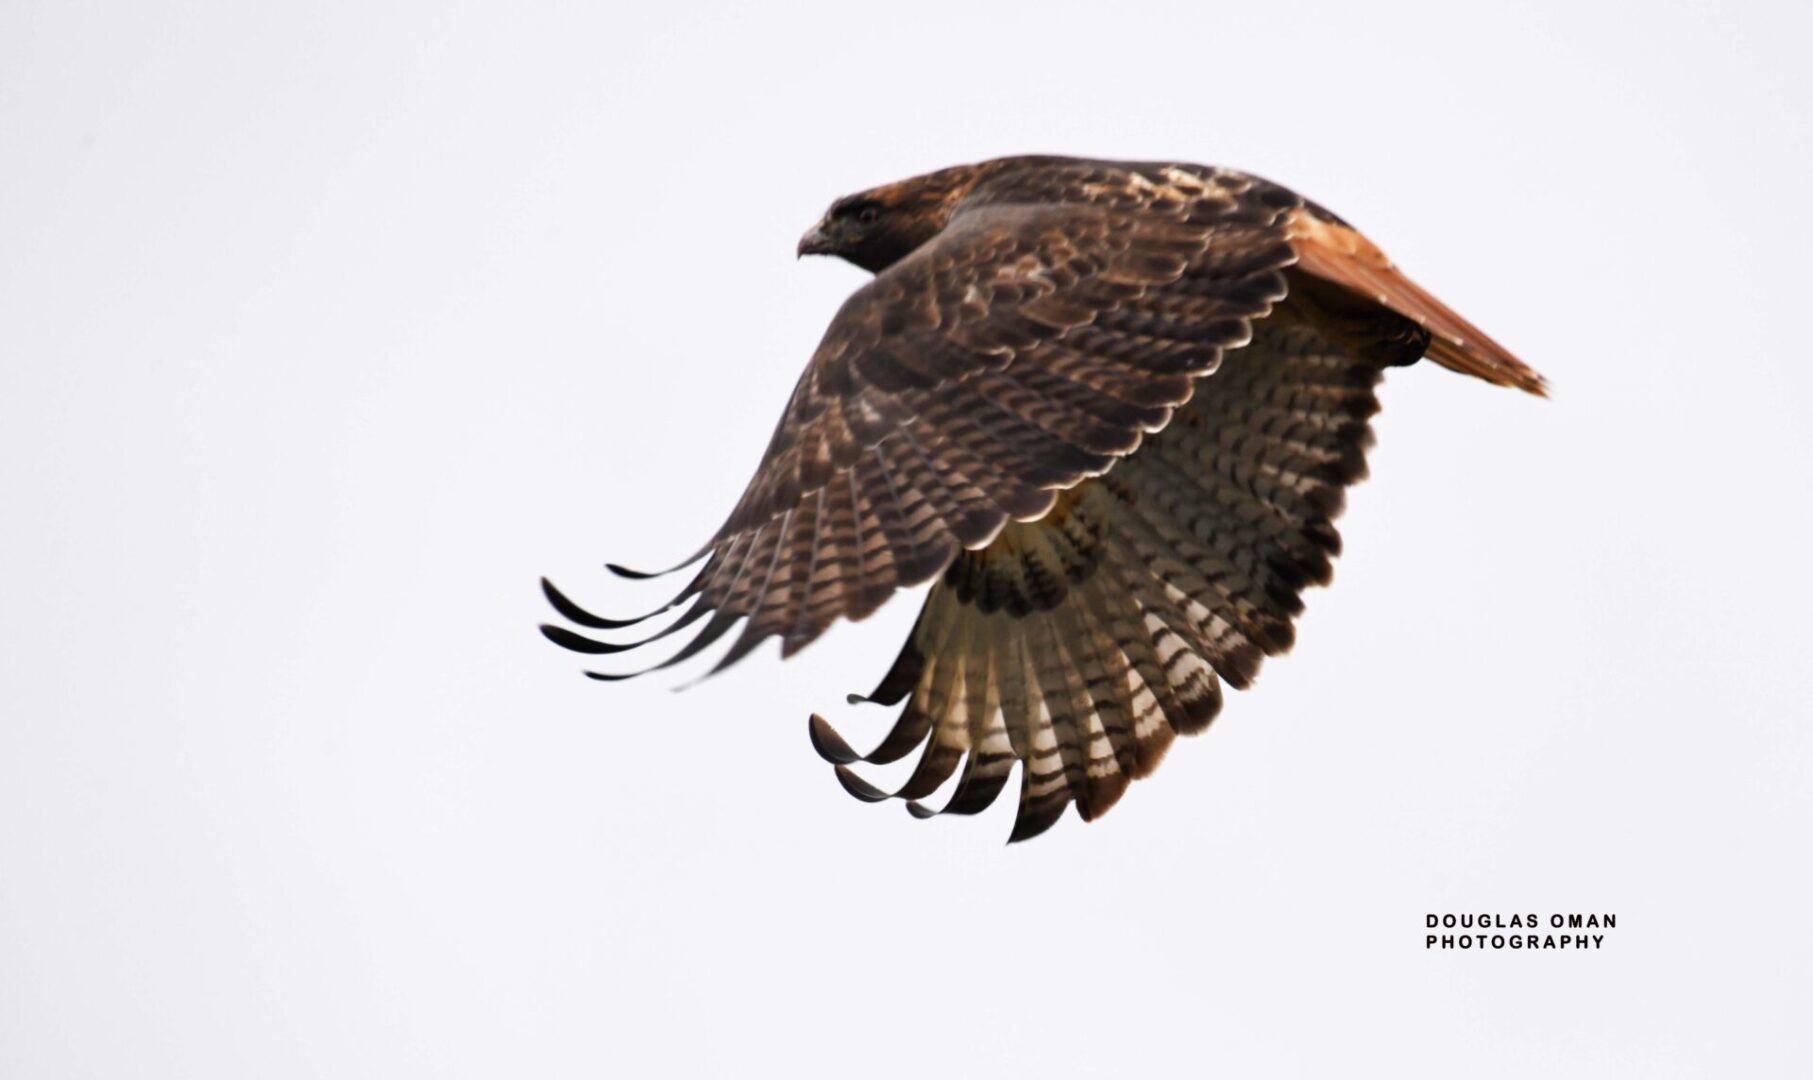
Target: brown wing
x=1063 y=313
x=1081 y=645
x=962 y=415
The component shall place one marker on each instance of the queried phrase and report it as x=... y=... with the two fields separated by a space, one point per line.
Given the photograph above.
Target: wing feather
x=1106 y=629
x=1028 y=347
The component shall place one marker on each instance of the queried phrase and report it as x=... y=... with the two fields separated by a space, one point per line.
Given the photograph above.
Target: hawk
x=1112 y=408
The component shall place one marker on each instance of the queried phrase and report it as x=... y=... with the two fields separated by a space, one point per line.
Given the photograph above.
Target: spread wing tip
x=633 y=574
x=579 y=643
x=828 y=743
x=574 y=613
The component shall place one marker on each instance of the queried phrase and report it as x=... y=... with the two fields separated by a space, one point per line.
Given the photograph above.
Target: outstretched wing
x=1061 y=316
x=1081 y=645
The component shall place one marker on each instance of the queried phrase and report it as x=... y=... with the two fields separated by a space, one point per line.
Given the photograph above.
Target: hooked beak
x=817 y=241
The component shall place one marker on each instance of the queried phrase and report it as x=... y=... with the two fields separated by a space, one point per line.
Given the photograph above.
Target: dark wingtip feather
x=859 y=787
x=574 y=613
x=1030 y=822
x=603 y=676
x=828 y=743
x=643 y=575
x=634 y=575
x=901 y=677
x=1197 y=713
x=566 y=639
x=972 y=795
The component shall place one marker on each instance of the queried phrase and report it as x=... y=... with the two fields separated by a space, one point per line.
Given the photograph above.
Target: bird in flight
x=1112 y=408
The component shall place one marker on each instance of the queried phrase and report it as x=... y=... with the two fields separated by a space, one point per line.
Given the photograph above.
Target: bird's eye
x=867 y=215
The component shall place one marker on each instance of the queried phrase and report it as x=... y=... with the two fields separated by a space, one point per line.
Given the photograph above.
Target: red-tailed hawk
x=1112 y=407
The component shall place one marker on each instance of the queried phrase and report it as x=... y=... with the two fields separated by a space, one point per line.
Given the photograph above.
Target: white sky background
x=324 y=332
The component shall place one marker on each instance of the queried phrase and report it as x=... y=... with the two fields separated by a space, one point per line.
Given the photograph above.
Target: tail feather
x=1332 y=251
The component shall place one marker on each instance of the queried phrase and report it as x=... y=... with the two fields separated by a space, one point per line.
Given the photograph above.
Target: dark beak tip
x=815 y=242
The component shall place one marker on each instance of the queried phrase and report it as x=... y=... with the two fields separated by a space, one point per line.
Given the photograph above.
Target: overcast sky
x=325 y=331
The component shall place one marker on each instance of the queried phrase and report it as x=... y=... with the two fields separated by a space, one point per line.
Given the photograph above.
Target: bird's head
x=876 y=228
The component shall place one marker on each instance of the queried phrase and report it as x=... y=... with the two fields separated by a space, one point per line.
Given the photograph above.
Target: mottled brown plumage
x=1116 y=406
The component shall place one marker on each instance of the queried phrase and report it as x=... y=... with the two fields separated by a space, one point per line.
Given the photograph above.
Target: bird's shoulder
x=1031 y=226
